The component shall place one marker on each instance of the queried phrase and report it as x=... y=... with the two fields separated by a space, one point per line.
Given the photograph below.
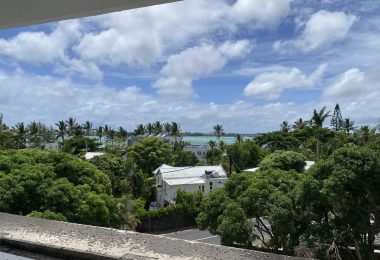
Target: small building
x=90 y=155
x=51 y=147
x=193 y=178
x=198 y=150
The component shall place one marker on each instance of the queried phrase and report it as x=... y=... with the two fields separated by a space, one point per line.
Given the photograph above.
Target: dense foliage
x=150 y=153
x=318 y=208
x=33 y=180
x=284 y=160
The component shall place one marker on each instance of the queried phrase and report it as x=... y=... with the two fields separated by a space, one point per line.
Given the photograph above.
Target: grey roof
x=170 y=172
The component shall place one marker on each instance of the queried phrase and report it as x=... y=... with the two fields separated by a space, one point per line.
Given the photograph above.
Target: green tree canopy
x=150 y=153
x=284 y=160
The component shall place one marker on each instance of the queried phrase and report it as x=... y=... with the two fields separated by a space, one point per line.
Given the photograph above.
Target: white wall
x=169 y=192
x=199 y=151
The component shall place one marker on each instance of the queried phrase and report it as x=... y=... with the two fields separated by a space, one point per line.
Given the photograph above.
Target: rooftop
x=170 y=172
x=78 y=241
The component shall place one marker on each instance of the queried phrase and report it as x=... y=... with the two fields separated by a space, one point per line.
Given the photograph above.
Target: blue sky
x=245 y=64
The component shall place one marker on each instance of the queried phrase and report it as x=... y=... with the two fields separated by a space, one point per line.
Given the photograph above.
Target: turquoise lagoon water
x=199 y=140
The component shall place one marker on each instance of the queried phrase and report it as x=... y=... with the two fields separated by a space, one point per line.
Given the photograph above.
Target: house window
x=203 y=188
x=210 y=185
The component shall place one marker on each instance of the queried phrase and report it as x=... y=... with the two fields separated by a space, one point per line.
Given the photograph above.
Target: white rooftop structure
x=170 y=172
x=252 y=169
x=90 y=155
x=14 y=13
x=169 y=179
x=308 y=164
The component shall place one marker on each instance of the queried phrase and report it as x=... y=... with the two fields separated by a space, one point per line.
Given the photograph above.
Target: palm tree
x=239 y=139
x=87 y=127
x=285 y=127
x=299 y=124
x=106 y=129
x=34 y=131
x=78 y=130
x=149 y=128
x=218 y=130
x=222 y=146
x=318 y=119
x=212 y=144
x=175 y=129
x=62 y=129
x=348 y=125
x=111 y=133
x=167 y=128
x=157 y=128
x=99 y=133
x=365 y=134
x=20 y=135
x=5 y=134
x=122 y=134
x=71 y=126
x=140 y=130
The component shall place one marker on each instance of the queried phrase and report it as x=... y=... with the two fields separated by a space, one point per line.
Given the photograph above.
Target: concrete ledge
x=75 y=241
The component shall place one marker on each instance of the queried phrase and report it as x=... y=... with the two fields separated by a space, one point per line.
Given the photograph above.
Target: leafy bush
x=47 y=214
x=284 y=160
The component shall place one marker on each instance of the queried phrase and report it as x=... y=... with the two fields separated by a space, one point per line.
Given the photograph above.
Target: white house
x=51 y=147
x=198 y=150
x=193 y=178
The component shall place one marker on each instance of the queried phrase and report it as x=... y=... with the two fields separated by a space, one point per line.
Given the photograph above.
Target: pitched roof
x=170 y=172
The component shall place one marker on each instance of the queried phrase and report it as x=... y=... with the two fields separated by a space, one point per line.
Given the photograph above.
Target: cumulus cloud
x=322 y=29
x=264 y=12
x=358 y=92
x=89 y=70
x=138 y=38
x=193 y=63
x=349 y=83
x=41 y=47
x=144 y=36
x=50 y=99
x=270 y=85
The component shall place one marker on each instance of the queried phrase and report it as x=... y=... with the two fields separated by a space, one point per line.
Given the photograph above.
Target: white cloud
x=193 y=63
x=348 y=84
x=40 y=47
x=254 y=71
x=140 y=37
x=75 y=66
x=358 y=93
x=270 y=85
x=144 y=36
x=50 y=99
x=322 y=29
x=264 y=12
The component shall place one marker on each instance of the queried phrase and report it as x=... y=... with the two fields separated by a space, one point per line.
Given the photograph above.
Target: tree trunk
x=318 y=147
